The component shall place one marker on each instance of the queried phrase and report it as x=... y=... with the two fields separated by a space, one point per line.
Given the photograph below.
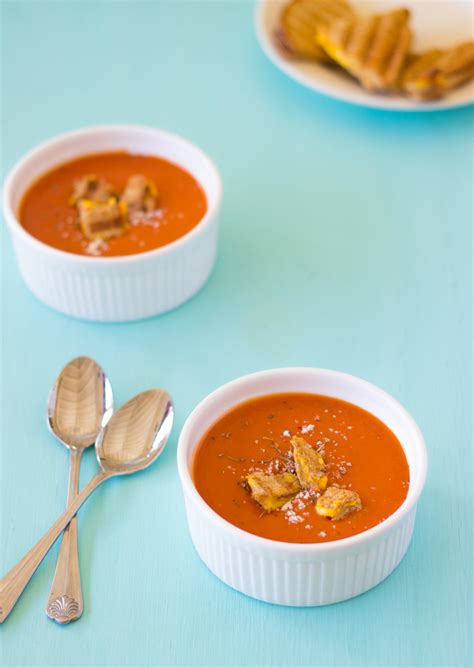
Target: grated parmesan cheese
x=96 y=247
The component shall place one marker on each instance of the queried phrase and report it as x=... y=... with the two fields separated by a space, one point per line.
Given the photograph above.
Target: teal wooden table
x=345 y=243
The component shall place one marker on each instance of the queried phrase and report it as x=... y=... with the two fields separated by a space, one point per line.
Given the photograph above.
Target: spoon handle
x=14 y=582
x=65 y=597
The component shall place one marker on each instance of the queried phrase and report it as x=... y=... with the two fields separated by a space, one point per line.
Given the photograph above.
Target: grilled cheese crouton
x=337 y=502
x=272 y=491
x=101 y=220
x=309 y=464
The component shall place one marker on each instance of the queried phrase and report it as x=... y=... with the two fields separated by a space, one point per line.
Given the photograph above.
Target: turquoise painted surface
x=345 y=244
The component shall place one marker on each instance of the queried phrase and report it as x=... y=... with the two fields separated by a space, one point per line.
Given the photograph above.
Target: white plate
x=434 y=22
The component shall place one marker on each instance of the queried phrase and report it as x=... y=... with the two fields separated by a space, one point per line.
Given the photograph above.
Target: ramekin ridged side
x=115 y=289
x=301 y=574
x=120 y=293
x=276 y=576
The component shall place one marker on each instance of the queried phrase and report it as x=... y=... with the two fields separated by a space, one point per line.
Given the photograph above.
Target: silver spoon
x=133 y=438
x=79 y=404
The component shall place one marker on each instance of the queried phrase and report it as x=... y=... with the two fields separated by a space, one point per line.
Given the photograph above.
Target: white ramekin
x=115 y=288
x=294 y=573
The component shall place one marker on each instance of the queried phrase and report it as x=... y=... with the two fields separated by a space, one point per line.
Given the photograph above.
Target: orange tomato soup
x=46 y=211
x=360 y=453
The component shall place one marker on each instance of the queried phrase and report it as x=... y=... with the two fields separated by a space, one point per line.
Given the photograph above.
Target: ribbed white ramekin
x=290 y=573
x=115 y=288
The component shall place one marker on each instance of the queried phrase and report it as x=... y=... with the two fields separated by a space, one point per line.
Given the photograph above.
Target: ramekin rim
x=75 y=258
x=340 y=545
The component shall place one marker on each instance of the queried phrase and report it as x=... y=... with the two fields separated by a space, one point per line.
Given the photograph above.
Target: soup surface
x=48 y=214
x=360 y=453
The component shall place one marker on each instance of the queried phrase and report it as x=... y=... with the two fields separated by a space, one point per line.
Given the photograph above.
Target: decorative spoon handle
x=14 y=582
x=65 y=597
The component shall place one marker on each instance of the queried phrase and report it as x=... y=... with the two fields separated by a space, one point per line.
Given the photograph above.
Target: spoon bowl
x=136 y=434
x=80 y=403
